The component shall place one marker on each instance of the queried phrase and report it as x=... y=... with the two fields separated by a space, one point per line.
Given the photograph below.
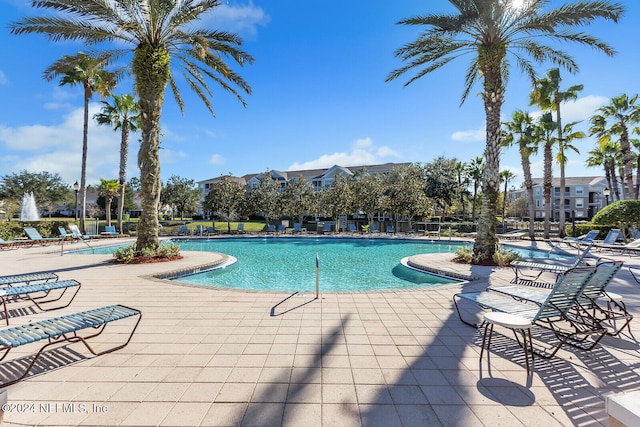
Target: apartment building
x=318 y=178
x=583 y=197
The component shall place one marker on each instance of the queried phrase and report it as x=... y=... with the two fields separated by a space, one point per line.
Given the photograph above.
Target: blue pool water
x=289 y=264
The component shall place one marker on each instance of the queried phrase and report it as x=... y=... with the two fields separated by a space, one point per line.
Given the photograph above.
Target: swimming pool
x=289 y=264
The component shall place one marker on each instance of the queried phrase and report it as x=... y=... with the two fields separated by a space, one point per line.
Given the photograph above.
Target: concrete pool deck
x=216 y=357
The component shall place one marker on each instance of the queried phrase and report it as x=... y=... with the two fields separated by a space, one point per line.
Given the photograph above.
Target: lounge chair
x=351 y=227
x=200 y=230
x=390 y=229
x=610 y=239
x=587 y=310
x=281 y=228
x=61 y=331
x=183 y=230
x=576 y=241
x=7 y=244
x=630 y=248
x=75 y=232
x=512 y=235
x=271 y=228
x=542 y=267
x=327 y=227
x=374 y=228
x=25 y=293
x=297 y=228
x=27 y=278
x=109 y=230
x=432 y=231
x=35 y=237
x=553 y=313
x=240 y=228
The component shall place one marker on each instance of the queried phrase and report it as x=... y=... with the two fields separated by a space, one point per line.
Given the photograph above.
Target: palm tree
x=164 y=40
x=505 y=176
x=461 y=168
x=546 y=129
x=523 y=127
x=624 y=112
x=109 y=188
x=548 y=96
x=123 y=114
x=475 y=171
x=600 y=157
x=489 y=30
x=88 y=71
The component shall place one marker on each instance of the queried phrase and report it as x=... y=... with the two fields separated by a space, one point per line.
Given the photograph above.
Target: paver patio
x=216 y=357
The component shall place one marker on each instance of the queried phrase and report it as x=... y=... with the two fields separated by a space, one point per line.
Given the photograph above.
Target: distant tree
x=89 y=72
x=299 y=198
x=48 y=189
x=521 y=130
x=463 y=182
x=338 y=198
x=369 y=193
x=475 y=171
x=134 y=184
x=266 y=198
x=623 y=113
x=506 y=176
x=225 y=198
x=546 y=129
x=548 y=96
x=109 y=188
x=123 y=114
x=182 y=194
x=441 y=181
x=404 y=186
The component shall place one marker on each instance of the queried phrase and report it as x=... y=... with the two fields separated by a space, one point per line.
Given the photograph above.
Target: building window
x=579 y=203
x=556 y=191
x=567 y=191
x=579 y=214
x=579 y=191
x=537 y=191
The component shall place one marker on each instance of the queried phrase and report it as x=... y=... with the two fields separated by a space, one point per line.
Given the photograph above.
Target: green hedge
x=10 y=230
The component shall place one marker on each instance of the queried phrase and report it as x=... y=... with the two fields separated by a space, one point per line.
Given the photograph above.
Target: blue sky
x=319 y=97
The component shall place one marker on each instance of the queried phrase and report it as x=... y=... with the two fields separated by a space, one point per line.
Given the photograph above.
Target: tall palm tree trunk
x=124 y=151
x=547 y=187
x=614 y=181
x=528 y=184
x=151 y=68
x=627 y=161
x=493 y=96
x=562 y=177
x=83 y=168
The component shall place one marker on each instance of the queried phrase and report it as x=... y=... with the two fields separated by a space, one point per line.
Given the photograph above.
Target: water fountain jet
x=28 y=209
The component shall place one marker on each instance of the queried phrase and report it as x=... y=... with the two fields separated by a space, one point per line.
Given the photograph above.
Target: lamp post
x=606 y=193
x=76 y=187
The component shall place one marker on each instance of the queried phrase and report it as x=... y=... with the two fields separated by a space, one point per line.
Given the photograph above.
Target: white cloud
x=238 y=18
x=581 y=109
x=216 y=159
x=58 y=148
x=363 y=152
x=476 y=135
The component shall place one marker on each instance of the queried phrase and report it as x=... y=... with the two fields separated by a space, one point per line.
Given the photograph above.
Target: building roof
x=311 y=174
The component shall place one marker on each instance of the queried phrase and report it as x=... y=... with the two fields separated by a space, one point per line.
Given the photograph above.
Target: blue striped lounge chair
x=62 y=331
x=555 y=312
x=38 y=293
x=35 y=237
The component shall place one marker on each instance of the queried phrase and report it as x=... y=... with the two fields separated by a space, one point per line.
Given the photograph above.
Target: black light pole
x=76 y=187
x=606 y=193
